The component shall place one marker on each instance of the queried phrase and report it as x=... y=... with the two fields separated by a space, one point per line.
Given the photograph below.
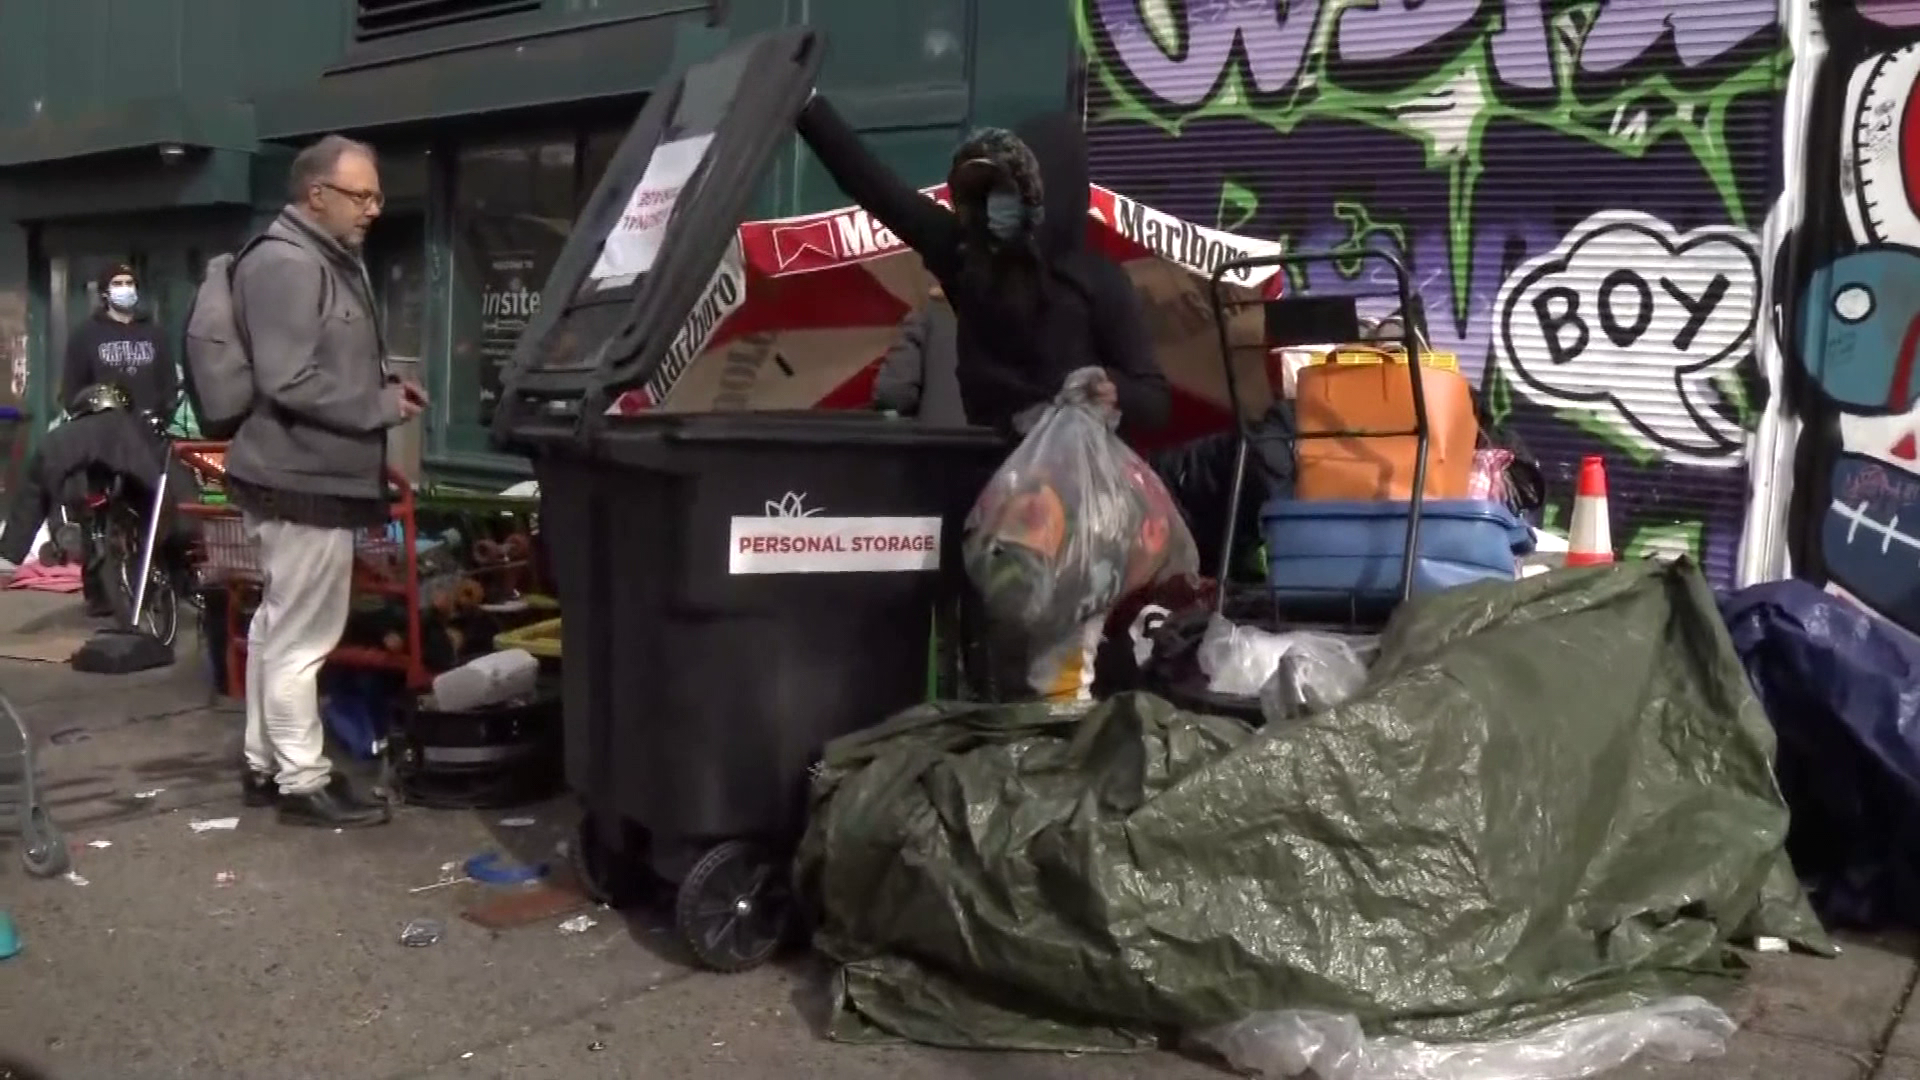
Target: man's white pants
x=303 y=612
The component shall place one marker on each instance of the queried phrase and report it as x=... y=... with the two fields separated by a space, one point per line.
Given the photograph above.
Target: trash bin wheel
x=733 y=908
x=43 y=851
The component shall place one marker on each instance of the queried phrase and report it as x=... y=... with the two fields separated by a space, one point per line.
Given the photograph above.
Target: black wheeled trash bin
x=737 y=588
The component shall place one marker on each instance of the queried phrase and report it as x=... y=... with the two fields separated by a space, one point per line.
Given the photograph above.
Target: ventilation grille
x=375 y=20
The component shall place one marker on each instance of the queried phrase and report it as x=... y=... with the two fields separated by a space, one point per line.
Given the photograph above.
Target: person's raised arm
x=919 y=222
x=280 y=300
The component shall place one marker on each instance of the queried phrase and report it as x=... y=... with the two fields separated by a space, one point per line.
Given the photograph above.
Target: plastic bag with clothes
x=1073 y=521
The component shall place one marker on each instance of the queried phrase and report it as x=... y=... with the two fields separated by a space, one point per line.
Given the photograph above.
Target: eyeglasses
x=365 y=200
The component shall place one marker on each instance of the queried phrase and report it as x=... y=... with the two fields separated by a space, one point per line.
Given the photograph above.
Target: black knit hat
x=116 y=270
x=989 y=157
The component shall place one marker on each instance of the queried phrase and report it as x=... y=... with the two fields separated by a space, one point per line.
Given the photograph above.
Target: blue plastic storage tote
x=1325 y=548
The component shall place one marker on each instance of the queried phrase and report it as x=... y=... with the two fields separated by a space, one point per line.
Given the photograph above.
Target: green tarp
x=1552 y=798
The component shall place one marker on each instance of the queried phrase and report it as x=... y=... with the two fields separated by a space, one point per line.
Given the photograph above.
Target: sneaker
x=258 y=789
x=332 y=807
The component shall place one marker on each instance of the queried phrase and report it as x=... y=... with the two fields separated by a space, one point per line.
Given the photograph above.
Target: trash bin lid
x=649 y=244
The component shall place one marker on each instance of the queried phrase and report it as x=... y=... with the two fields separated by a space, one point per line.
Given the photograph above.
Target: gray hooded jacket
x=320 y=416
x=919 y=376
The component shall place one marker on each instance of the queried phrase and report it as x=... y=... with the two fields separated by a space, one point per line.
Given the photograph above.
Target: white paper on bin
x=833 y=545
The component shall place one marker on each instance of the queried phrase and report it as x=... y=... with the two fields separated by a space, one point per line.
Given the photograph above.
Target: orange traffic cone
x=1590 y=540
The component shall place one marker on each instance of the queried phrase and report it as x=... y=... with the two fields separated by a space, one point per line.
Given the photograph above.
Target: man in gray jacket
x=308 y=467
x=918 y=378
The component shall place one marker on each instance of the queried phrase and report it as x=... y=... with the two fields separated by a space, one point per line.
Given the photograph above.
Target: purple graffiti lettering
x=1898 y=14
x=1626 y=29
x=1397 y=27
x=1520 y=53
x=1273 y=36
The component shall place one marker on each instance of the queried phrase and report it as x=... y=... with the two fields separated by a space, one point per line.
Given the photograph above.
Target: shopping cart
x=1295 y=322
x=43 y=851
x=386 y=563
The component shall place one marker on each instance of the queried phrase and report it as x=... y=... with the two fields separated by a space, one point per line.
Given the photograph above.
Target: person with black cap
x=117 y=369
x=121 y=346
x=1032 y=304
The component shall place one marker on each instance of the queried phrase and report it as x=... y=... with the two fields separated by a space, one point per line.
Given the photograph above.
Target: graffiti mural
x=1624 y=292
x=1578 y=188
x=1852 y=312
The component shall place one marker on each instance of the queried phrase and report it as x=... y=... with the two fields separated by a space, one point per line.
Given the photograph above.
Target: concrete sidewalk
x=262 y=951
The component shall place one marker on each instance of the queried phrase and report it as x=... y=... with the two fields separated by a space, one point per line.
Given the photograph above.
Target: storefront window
x=514 y=204
x=596 y=153
x=397 y=263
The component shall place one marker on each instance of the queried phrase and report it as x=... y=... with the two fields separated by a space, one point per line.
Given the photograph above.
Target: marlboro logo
x=850 y=235
x=1199 y=249
x=811 y=243
x=725 y=293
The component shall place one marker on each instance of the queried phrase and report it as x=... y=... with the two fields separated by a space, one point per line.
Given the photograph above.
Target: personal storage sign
x=833 y=545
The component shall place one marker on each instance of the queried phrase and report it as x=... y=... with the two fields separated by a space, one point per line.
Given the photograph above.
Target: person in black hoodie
x=120 y=346
x=1032 y=304
x=119 y=357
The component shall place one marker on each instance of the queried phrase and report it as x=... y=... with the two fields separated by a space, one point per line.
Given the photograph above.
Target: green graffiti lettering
x=1238 y=205
x=1499 y=397
x=1610 y=433
x=1361 y=231
x=1668 y=540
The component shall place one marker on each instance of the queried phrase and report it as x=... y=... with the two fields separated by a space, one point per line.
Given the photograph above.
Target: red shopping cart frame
x=383 y=565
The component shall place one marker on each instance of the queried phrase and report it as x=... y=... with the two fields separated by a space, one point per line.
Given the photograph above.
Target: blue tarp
x=1842 y=689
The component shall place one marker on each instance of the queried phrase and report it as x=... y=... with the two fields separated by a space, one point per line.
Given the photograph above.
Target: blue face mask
x=1005 y=215
x=123 y=297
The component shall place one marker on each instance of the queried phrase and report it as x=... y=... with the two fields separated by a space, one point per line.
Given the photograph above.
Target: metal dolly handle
x=1411 y=340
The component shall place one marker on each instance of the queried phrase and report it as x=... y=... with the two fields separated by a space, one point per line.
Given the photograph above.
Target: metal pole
x=152 y=537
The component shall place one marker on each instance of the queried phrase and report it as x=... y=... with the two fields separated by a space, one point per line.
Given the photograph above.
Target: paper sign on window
x=634 y=243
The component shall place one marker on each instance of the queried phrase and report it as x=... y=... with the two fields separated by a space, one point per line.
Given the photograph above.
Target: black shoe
x=258 y=789
x=331 y=807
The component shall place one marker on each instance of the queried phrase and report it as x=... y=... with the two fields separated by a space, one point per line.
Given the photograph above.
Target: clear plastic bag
x=1238 y=659
x=1317 y=671
x=1073 y=521
x=1285 y=1044
x=1300 y=670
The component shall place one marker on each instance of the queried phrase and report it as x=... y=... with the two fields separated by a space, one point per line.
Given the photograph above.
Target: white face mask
x=123 y=297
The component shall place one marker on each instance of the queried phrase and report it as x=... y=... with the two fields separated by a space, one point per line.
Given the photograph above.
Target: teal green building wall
x=159 y=130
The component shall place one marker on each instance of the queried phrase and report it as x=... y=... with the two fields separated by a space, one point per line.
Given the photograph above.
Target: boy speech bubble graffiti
x=1634 y=322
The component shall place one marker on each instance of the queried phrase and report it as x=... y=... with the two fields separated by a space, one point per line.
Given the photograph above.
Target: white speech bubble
x=1628 y=319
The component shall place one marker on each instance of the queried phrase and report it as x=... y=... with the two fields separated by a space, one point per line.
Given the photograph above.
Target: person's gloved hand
x=1103 y=390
